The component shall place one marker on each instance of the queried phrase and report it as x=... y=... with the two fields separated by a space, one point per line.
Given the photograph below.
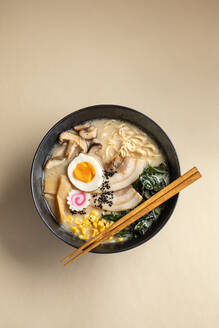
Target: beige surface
x=160 y=57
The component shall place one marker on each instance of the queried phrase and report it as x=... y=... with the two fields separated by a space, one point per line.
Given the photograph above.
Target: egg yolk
x=84 y=171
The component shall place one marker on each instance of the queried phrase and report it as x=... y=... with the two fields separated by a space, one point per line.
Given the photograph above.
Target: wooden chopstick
x=160 y=197
x=125 y=217
x=147 y=209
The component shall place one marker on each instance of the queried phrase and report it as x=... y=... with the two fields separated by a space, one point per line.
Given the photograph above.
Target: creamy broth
x=115 y=139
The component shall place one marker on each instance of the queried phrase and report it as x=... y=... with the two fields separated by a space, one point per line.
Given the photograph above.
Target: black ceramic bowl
x=89 y=113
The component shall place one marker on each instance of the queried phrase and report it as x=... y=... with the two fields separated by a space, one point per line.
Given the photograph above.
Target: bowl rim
x=137 y=243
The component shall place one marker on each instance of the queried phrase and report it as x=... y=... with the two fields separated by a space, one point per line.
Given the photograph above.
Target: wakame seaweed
x=150 y=181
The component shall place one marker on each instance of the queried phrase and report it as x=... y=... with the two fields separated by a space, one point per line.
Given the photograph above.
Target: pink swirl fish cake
x=78 y=200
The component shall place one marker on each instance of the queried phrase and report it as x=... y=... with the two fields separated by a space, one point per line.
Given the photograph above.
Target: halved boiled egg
x=85 y=173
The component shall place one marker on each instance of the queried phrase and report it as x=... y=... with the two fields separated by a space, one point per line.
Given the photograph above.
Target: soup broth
x=98 y=172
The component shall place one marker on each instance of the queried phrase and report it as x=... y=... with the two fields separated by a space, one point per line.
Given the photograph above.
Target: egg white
x=86 y=186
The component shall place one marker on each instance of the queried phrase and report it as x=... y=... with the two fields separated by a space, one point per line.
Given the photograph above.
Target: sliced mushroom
x=124 y=199
x=70 y=149
x=63 y=189
x=94 y=149
x=90 y=133
x=54 y=161
x=128 y=171
x=82 y=126
x=73 y=142
x=92 y=142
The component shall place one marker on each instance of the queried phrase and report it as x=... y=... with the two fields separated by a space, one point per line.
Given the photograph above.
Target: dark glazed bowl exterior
x=90 y=113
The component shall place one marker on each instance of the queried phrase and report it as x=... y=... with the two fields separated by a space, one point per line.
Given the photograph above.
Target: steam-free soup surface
x=122 y=152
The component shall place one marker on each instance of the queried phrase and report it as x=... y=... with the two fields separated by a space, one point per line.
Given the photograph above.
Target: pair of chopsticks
x=160 y=197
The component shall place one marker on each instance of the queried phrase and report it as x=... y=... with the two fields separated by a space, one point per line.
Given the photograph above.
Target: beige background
x=160 y=57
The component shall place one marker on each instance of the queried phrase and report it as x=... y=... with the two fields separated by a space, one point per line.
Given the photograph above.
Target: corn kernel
x=83 y=231
x=94 y=212
x=69 y=219
x=80 y=226
x=86 y=223
x=94 y=232
x=111 y=223
x=84 y=237
x=100 y=224
x=93 y=218
x=78 y=220
x=120 y=239
x=86 y=216
x=107 y=225
x=74 y=229
x=103 y=220
x=102 y=228
x=95 y=224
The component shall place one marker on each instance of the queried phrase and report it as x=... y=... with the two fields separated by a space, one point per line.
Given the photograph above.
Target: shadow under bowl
x=90 y=113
